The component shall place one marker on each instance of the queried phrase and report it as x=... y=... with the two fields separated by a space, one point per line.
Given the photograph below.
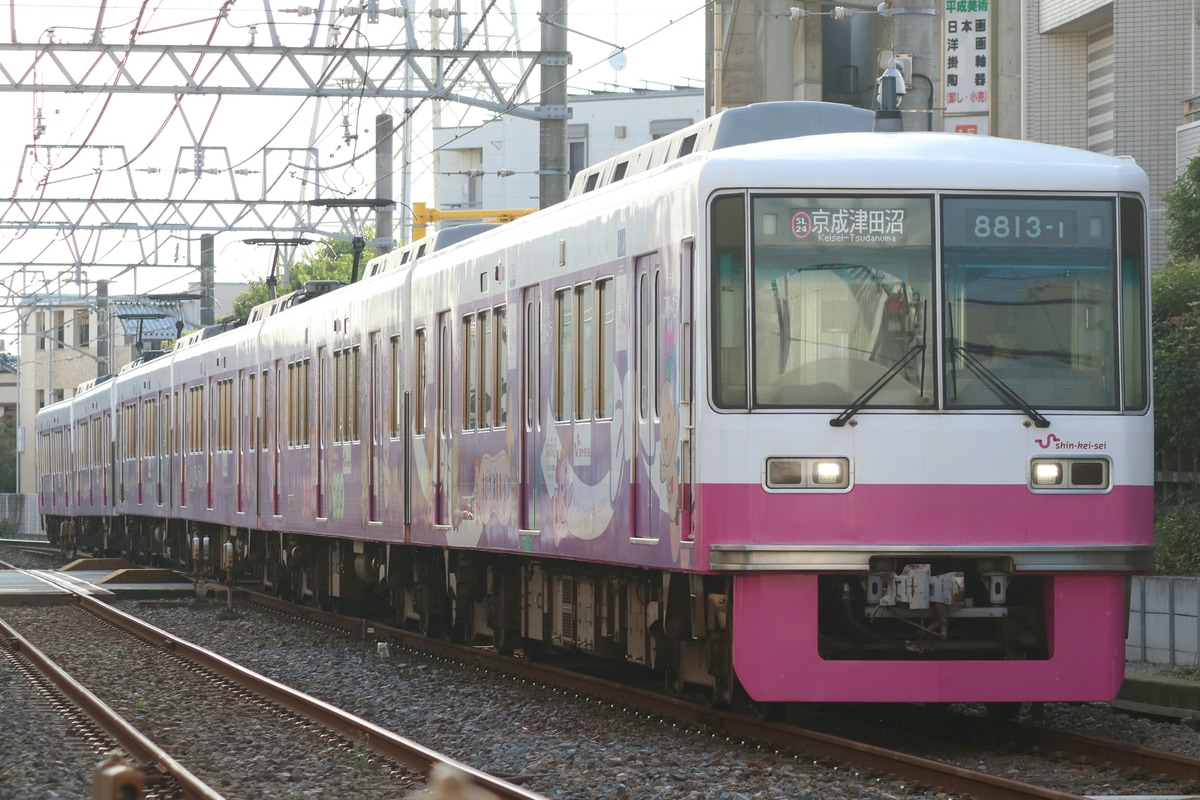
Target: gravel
x=559 y=745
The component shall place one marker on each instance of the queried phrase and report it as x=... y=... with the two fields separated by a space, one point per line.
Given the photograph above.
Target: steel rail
x=919 y=770
x=1175 y=766
x=356 y=729
x=130 y=739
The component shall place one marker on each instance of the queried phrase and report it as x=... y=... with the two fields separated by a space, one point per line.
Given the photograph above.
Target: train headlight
x=1047 y=473
x=1071 y=473
x=831 y=472
x=807 y=473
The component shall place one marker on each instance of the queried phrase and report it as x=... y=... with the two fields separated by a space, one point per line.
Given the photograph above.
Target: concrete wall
x=21 y=510
x=1164 y=621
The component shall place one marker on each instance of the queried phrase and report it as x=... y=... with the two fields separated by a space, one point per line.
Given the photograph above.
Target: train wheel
x=770 y=712
x=534 y=649
x=1003 y=712
x=505 y=641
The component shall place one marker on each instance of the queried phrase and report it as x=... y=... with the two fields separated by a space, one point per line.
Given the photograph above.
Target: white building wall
x=602 y=125
x=1127 y=98
x=1187 y=145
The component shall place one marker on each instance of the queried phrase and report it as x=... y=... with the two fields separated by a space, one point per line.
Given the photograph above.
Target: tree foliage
x=8 y=459
x=1183 y=215
x=330 y=259
x=1175 y=317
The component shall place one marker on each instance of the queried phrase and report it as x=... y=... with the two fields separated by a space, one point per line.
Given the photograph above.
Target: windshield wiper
x=861 y=401
x=1000 y=387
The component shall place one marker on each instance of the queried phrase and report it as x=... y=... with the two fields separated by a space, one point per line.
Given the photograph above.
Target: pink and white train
x=775 y=402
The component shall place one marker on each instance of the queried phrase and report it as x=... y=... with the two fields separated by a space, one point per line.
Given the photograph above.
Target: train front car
x=926 y=457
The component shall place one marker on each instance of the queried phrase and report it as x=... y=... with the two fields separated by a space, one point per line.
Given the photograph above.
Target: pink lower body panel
x=776 y=658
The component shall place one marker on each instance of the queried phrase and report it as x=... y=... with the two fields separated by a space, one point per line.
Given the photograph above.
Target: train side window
x=297 y=403
x=224 y=416
x=252 y=396
x=397 y=404
x=263 y=416
x=418 y=383
x=354 y=387
x=468 y=372
x=168 y=423
x=339 y=382
x=308 y=392
x=532 y=375
x=132 y=439
x=645 y=362
x=292 y=416
x=196 y=418
x=585 y=357
x=143 y=438
x=728 y=311
x=606 y=356
x=564 y=335
x=443 y=396
x=659 y=380
x=500 y=388
x=1133 y=298
x=487 y=370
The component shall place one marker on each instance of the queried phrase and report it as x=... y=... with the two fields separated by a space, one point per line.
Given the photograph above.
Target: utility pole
x=383 y=183
x=102 y=367
x=207 y=278
x=915 y=32
x=552 y=171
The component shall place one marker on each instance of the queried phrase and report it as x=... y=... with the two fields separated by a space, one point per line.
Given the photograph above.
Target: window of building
x=82 y=328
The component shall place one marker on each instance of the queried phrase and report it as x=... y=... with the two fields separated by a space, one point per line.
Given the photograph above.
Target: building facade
x=1113 y=77
x=66 y=341
x=1110 y=76
x=494 y=166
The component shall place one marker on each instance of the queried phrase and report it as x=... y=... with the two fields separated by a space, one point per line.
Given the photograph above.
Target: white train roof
x=919 y=161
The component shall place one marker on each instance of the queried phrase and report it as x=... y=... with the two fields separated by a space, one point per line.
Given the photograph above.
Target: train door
x=277 y=440
x=686 y=388
x=441 y=482
x=648 y=520
x=374 y=426
x=161 y=459
x=531 y=390
x=209 y=403
x=324 y=390
x=240 y=446
x=80 y=449
x=181 y=443
x=149 y=438
x=252 y=441
x=262 y=479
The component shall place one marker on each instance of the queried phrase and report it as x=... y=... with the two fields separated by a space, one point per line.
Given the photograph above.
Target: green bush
x=1175 y=303
x=1177 y=536
x=7 y=530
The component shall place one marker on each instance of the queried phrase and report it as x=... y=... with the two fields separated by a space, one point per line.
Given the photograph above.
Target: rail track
x=218 y=694
x=1037 y=740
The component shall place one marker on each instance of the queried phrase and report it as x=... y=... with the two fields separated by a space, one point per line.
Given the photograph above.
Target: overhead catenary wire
x=315 y=169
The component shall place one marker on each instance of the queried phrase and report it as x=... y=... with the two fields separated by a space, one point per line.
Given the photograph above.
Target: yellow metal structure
x=423 y=216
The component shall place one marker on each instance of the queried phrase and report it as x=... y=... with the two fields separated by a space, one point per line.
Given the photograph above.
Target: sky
x=59 y=146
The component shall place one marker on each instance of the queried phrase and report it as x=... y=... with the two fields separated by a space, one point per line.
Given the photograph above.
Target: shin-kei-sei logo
x=1070 y=444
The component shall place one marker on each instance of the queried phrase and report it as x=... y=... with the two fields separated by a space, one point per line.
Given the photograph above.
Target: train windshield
x=840 y=301
x=1030 y=290
x=828 y=301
